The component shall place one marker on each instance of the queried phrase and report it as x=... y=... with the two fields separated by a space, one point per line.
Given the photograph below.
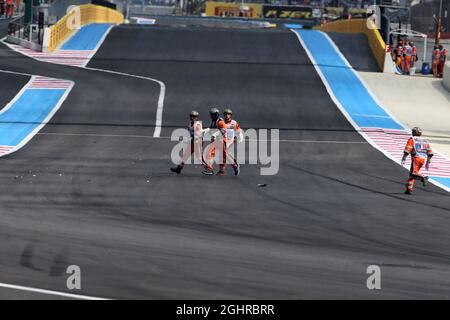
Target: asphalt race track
x=94 y=187
x=356 y=50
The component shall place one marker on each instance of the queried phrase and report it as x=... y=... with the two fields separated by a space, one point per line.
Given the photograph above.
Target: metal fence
x=58 y=8
x=424 y=14
x=29 y=32
x=163 y=8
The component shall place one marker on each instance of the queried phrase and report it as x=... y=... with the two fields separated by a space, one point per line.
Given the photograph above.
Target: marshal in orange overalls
x=420 y=151
x=9 y=8
x=218 y=143
x=435 y=61
x=442 y=59
x=233 y=134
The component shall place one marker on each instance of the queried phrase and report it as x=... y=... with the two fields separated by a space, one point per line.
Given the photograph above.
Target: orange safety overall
x=9 y=8
x=232 y=128
x=407 y=50
x=400 y=57
x=414 y=56
x=420 y=150
x=435 y=61
x=218 y=143
x=442 y=59
x=195 y=129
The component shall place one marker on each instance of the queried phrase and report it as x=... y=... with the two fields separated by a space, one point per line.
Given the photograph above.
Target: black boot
x=236 y=169
x=208 y=172
x=177 y=169
x=425 y=181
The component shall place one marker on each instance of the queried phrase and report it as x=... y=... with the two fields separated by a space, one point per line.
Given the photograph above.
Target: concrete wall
x=84 y=14
x=376 y=42
x=446 y=78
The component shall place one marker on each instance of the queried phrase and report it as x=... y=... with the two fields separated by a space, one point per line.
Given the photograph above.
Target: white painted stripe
x=332 y=96
x=162 y=94
x=50 y=292
x=50 y=57
x=370 y=116
x=17 y=96
x=361 y=131
x=440 y=166
x=395 y=131
x=99 y=44
x=45 y=121
x=151 y=137
x=374 y=97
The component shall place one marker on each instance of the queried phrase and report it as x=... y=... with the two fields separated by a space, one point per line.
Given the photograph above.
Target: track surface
x=355 y=48
x=109 y=204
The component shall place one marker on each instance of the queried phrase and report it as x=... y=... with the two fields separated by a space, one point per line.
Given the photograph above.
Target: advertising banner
x=287 y=12
x=227 y=9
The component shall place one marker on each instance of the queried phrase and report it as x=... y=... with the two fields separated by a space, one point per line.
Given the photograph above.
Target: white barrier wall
x=446 y=78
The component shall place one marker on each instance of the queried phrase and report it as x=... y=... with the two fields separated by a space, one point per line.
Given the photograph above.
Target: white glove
x=240 y=137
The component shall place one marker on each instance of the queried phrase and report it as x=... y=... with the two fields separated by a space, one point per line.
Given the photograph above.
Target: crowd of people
x=405 y=56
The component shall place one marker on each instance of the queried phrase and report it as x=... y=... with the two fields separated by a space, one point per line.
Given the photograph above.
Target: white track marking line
x=151 y=137
x=162 y=95
x=18 y=95
x=99 y=44
x=49 y=116
x=50 y=292
x=342 y=109
x=374 y=97
x=369 y=91
x=333 y=97
x=46 y=120
x=20 y=73
x=162 y=92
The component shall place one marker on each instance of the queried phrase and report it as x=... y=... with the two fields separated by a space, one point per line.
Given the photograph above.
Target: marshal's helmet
x=214 y=113
x=416 y=132
x=227 y=111
x=194 y=114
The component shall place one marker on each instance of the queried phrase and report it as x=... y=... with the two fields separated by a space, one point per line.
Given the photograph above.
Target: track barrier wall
x=446 y=77
x=376 y=42
x=79 y=15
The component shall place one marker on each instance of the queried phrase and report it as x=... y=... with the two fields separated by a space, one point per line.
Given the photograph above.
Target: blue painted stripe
x=26 y=114
x=443 y=181
x=346 y=86
x=293 y=26
x=87 y=38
